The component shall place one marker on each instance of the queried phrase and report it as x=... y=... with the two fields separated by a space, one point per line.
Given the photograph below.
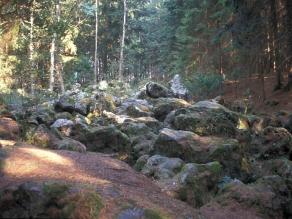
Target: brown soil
x=115 y=181
x=253 y=87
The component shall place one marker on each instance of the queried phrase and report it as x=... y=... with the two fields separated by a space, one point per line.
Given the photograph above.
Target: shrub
x=204 y=84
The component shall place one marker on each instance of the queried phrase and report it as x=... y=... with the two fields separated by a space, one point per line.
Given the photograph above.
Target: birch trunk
x=96 y=67
x=52 y=68
x=59 y=67
x=121 y=63
x=31 y=52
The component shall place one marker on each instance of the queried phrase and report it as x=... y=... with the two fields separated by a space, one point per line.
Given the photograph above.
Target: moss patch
x=3 y=155
x=84 y=204
x=55 y=190
x=153 y=214
x=88 y=205
x=215 y=167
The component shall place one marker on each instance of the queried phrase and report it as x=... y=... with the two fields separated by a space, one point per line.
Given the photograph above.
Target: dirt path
x=115 y=181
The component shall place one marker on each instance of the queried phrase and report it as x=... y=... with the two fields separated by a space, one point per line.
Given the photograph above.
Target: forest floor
x=122 y=188
x=117 y=183
x=253 y=86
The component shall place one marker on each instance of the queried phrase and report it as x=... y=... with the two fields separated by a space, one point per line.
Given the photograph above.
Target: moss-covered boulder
x=140 y=163
x=182 y=144
x=281 y=166
x=71 y=104
x=232 y=156
x=135 y=108
x=49 y=200
x=163 y=106
x=64 y=115
x=271 y=143
x=205 y=118
x=152 y=123
x=161 y=167
x=266 y=198
x=141 y=136
x=137 y=111
x=63 y=125
x=198 y=182
x=194 y=183
x=104 y=139
x=44 y=137
x=43 y=115
x=84 y=102
x=71 y=145
x=191 y=147
x=104 y=101
x=155 y=90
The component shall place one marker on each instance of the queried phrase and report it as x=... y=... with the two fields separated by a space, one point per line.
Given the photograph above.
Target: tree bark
x=52 y=68
x=59 y=66
x=121 y=63
x=289 y=42
x=31 y=52
x=96 y=67
x=275 y=47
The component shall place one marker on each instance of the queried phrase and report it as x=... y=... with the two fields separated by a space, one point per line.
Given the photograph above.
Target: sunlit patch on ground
x=47 y=156
x=31 y=163
x=113 y=179
x=6 y=143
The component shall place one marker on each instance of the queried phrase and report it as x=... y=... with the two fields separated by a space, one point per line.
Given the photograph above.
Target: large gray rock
x=271 y=143
x=191 y=182
x=48 y=200
x=178 y=88
x=194 y=148
x=266 y=198
x=42 y=115
x=62 y=123
x=182 y=144
x=71 y=145
x=281 y=167
x=155 y=90
x=104 y=139
x=151 y=122
x=197 y=183
x=205 y=118
x=135 y=108
x=85 y=103
x=161 y=167
x=141 y=137
x=73 y=104
x=163 y=106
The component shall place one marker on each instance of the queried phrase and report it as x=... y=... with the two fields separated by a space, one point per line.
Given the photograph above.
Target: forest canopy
x=53 y=44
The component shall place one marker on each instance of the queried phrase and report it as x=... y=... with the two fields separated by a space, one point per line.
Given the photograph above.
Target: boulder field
x=153 y=155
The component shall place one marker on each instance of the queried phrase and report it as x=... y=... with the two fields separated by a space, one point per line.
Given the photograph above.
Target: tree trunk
x=52 y=68
x=58 y=64
x=31 y=52
x=121 y=64
x=289 y=42
x=96 y=67
x=275 y=47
